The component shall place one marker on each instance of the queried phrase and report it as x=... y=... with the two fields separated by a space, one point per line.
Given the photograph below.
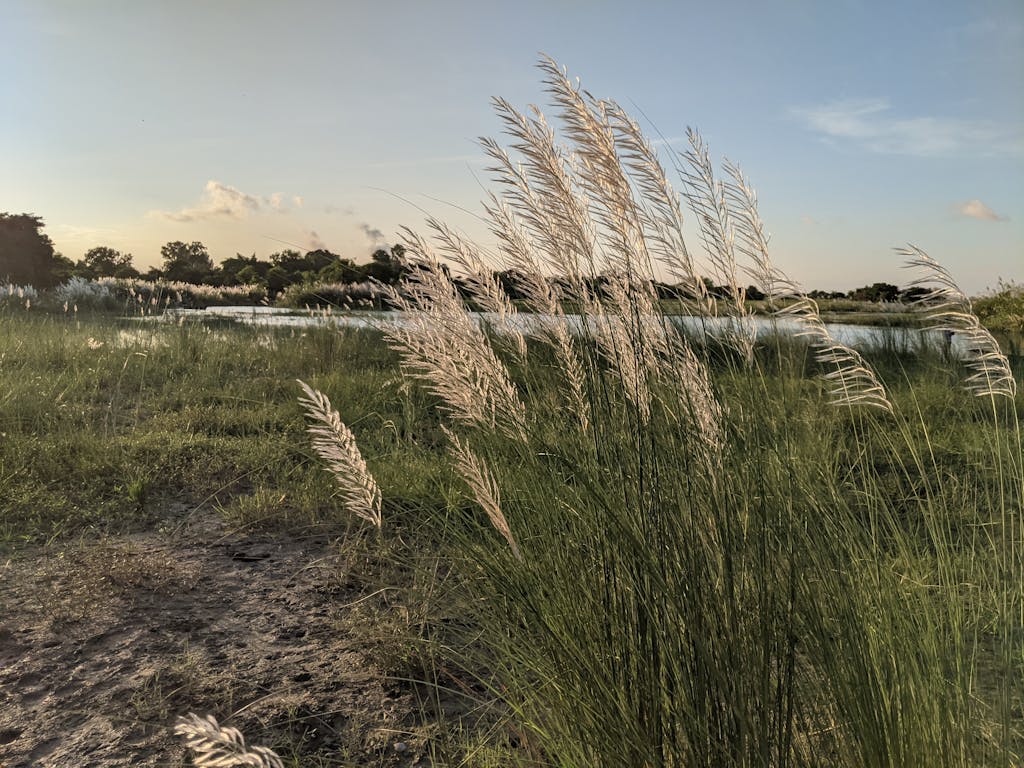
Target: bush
x=20 y=296
x=348 y=295
x=85 y=295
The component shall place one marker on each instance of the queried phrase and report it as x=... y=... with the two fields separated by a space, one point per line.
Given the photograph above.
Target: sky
x=258 y=126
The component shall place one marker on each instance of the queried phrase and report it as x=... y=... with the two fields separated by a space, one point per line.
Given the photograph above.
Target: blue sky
x=255 y=126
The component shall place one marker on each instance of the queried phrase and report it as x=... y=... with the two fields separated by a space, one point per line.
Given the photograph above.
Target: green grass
x=106 y=438
x=841 y=589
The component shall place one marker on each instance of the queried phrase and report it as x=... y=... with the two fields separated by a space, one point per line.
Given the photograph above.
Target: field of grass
x=106 y=419
x=112 y=428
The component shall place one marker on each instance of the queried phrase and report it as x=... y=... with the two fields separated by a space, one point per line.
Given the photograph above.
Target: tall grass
x=678 y=550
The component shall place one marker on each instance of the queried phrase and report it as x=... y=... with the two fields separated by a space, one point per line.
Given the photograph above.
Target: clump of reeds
x=700 y=562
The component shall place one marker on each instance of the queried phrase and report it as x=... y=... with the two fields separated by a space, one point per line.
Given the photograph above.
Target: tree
x=753 y=293
x=386 y=267
x=876 y=292
x=26 y=254
x=188 y=263
x=277 y=279
x=102 y=261
x=320 y=259
x=341 y=271
x=239 y=269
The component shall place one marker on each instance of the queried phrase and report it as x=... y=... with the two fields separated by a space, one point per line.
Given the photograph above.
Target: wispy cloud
x=344 y=210
x=313 y=241
x=220 y=201
x=975 y=209
x=871 y=125
x=477 y=158
x=72 y=232
x=374 y=235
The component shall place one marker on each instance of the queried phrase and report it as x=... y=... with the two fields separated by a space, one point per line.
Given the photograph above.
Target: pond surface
x=275 y=317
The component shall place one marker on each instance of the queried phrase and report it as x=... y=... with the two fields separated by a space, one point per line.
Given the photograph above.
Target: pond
x=275 y=317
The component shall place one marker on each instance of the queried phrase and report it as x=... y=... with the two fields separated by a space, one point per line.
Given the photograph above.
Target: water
x=274 y=317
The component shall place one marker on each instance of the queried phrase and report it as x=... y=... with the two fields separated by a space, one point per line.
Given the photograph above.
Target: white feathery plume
x=707 y=198
x=444 y=347
x=600 y=173
x=334 y=442
x=948 y=309
x=660 y=208
x=543 y=194
x=706 y=414
x=541 y=298
x=751 y=239
x=852 y=381
x=218 y=746
x=480 y=280
x=478 y=477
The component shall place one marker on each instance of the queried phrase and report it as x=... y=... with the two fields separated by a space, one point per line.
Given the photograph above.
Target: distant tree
x=248 y=275
x=319 y=259
x=915 y=293
x=277 y=279
x=102 y=261
x=818 y=294
x=230 y=271
x=511 y=282
x=189 y=263
x=63 y=269
x=753 y=293
x=876 y=292
x=341 y=271
x=27 y=255
x=386 y=267
x=288 y=267
x=289 y=260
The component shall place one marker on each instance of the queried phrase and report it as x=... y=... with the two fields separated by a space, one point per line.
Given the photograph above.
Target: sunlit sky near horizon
x=257 y=126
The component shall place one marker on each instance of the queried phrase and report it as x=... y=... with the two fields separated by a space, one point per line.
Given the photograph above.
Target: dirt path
x=104 y=644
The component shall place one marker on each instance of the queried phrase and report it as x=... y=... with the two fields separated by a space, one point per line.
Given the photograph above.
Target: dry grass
x=217 y=746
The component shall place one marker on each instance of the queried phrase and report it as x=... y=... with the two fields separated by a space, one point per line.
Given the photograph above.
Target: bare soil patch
x=104 y=643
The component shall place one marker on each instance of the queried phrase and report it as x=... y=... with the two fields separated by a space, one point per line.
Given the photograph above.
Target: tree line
x=27 y=257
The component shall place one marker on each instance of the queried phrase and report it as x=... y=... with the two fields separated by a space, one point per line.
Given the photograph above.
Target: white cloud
x=975 y=209
x=220 y=201
x=870 y=124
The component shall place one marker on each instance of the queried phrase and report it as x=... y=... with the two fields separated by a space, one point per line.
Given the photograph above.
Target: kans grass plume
x=949 y=310
x=475 y=473
x=443 y=346
x=851 y=379
x=334 y=442
x=216 y=746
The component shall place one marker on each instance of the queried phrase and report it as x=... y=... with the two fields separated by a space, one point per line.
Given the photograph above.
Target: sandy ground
x=104 y=643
